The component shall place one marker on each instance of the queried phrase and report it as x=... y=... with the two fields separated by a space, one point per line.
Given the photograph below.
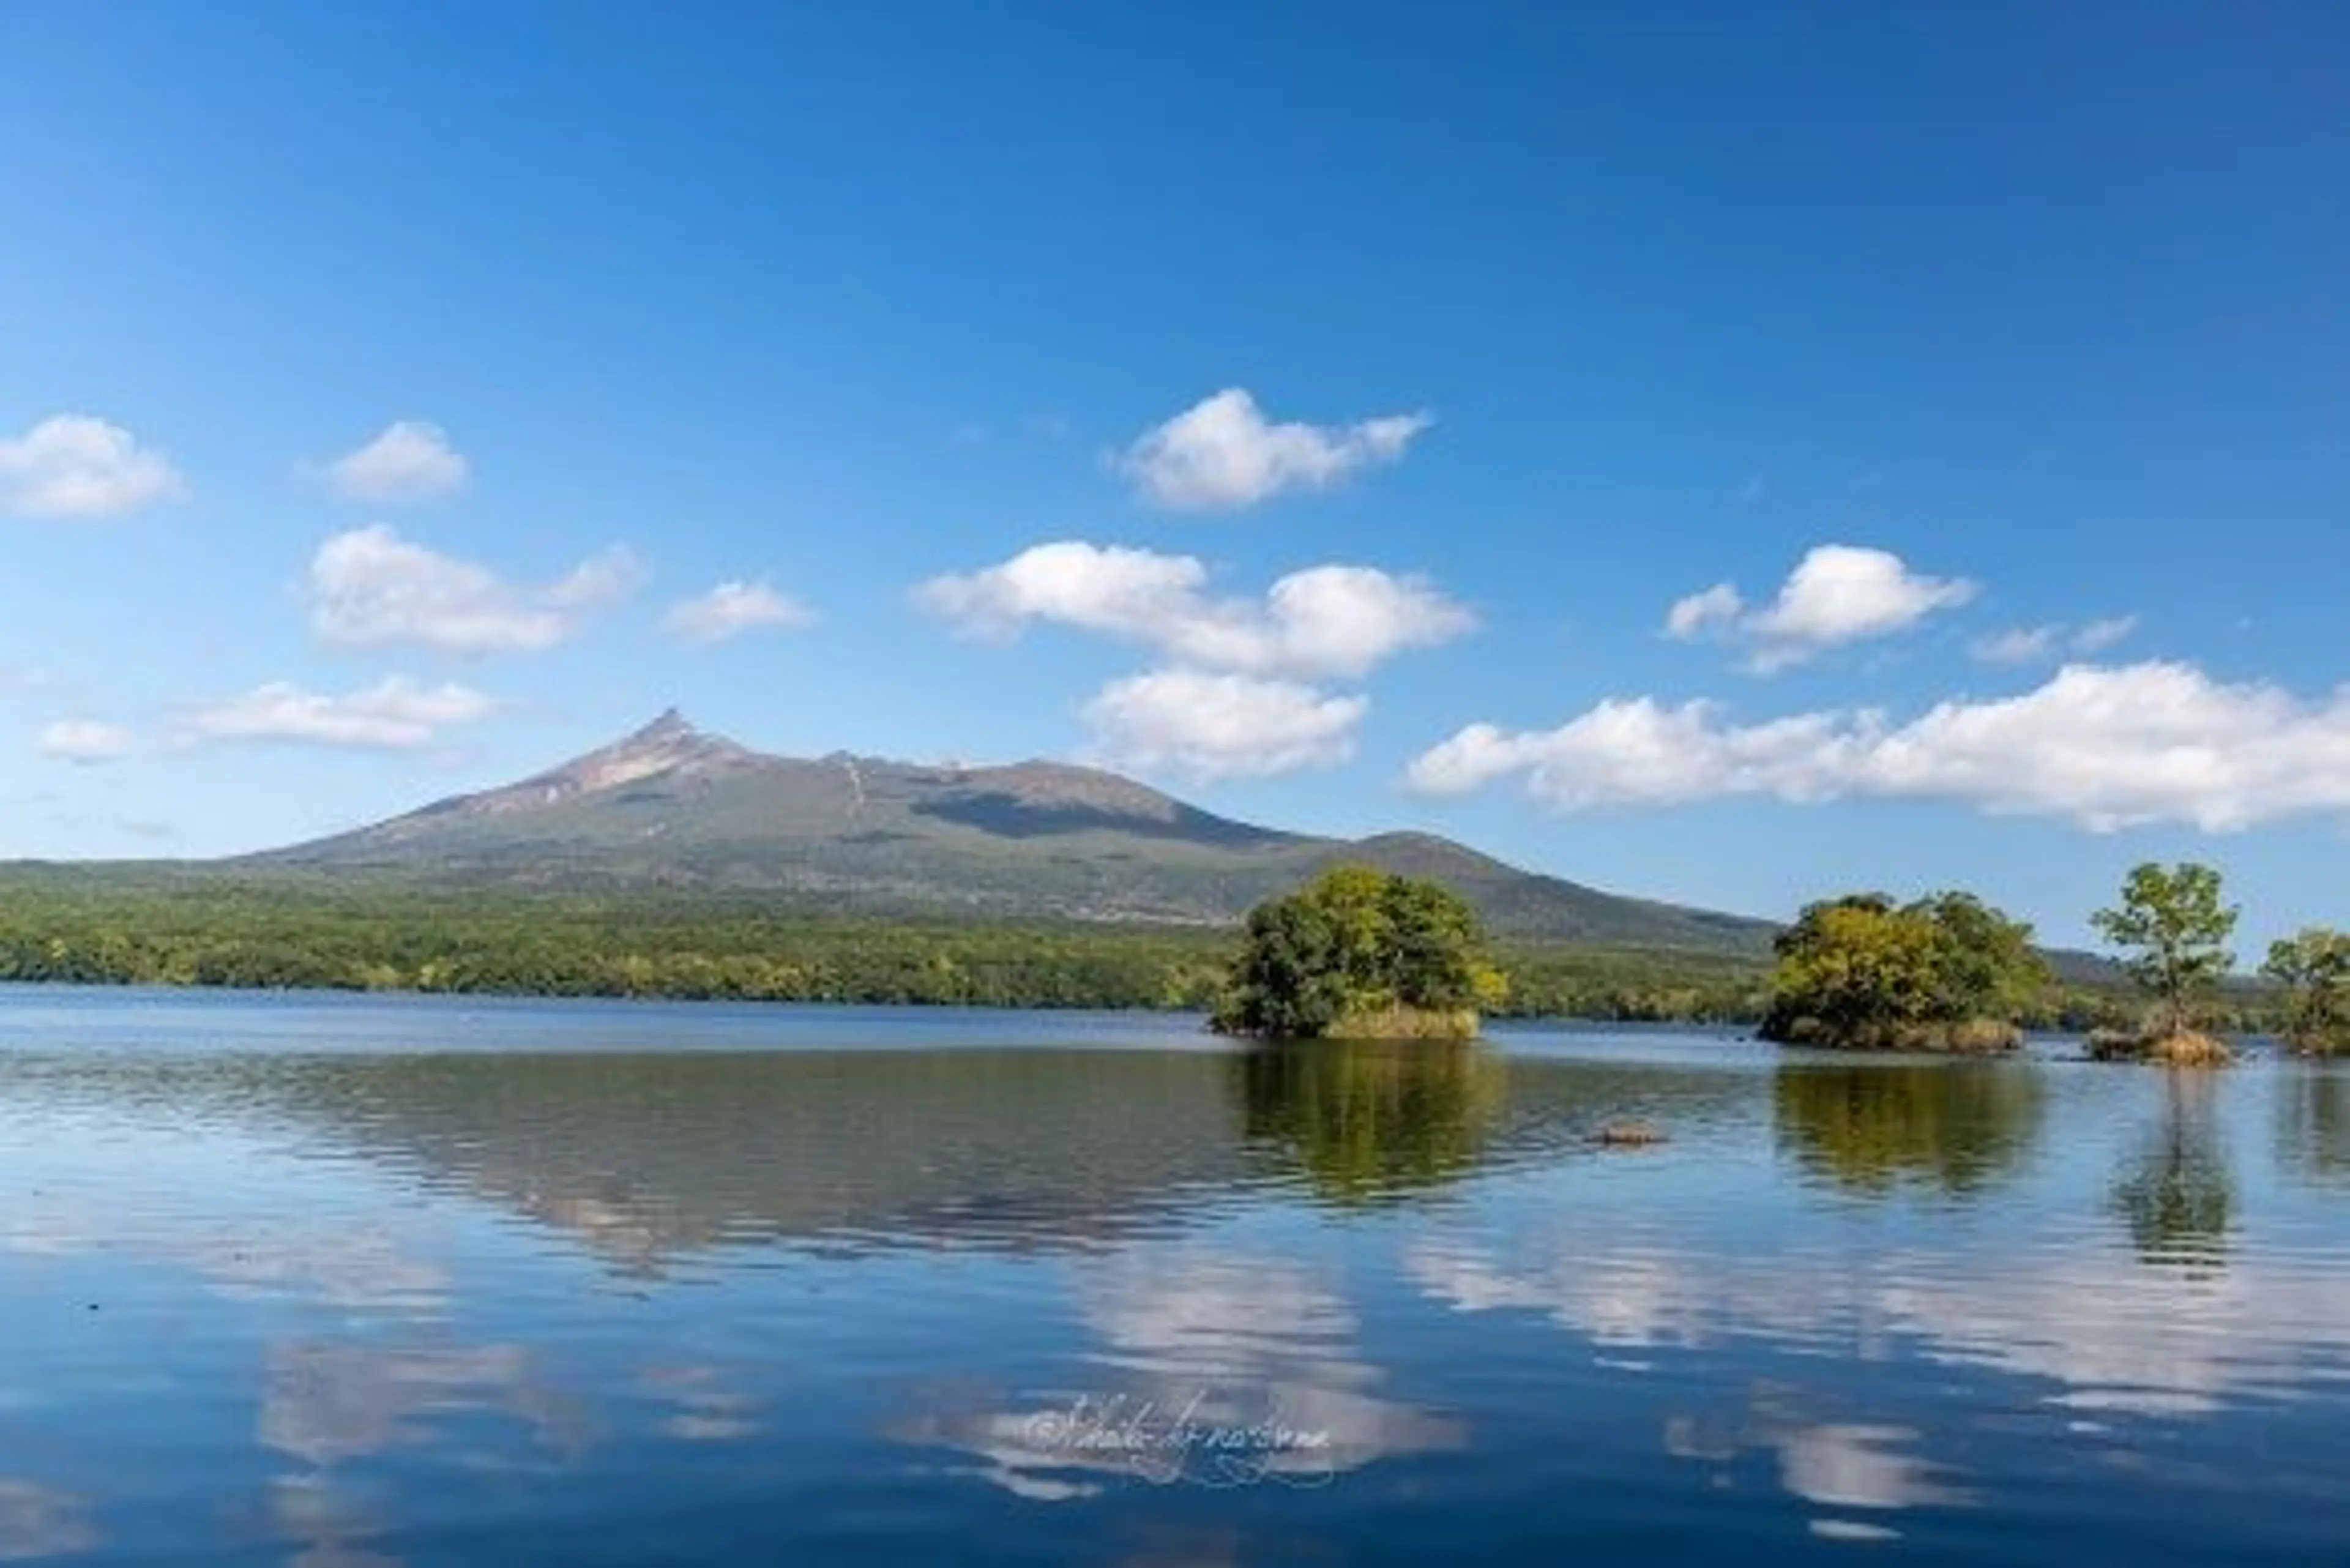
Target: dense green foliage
x=2175 y=931
x=1357 y=949
x=259 y=934
x=1946 y=971
x=181 y=926
x=2313 y=967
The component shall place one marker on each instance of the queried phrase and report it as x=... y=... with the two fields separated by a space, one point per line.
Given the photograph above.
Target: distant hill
x=672 y=808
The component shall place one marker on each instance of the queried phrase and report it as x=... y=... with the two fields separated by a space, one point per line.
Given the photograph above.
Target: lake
x=327 y=1281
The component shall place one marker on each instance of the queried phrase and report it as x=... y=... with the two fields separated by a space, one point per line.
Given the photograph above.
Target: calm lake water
x=348 y=1282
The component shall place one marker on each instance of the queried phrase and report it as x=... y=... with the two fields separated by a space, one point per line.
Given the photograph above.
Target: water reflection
x=1841 y=1467
x=2177 y=1191
x=38 y=1521
x=1956 y=1127
x=649 y=1158
x=1371 y=1119
x=365 y=1305
x=1210 y=1368
x=327 y=1403
x=2313 y=1121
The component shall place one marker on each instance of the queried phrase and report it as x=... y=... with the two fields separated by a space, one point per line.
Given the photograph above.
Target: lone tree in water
x=1945 y=974
x=1359 y=954
x=2177 y=930
x=2313 y=967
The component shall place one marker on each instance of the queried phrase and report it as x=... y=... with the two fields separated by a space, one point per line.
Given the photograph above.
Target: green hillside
x=669 y=807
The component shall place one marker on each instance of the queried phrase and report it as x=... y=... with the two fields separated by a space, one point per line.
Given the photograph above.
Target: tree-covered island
x=1946 y=972
x=2173 y=926
x=1360 y=954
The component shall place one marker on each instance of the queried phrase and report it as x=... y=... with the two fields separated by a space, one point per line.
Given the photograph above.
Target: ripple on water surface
x=362 y=1281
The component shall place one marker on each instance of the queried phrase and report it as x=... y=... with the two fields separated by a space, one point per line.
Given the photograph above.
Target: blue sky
x=378 y=385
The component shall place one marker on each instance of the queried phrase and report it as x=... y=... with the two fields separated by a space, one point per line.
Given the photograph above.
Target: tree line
x=216 y=928
x=1950 y=972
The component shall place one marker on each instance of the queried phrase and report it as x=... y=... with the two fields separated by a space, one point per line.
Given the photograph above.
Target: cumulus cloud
x=1838 y=595
x=2031 y=644
x=2105 y=747
x=76 y=466
x=83 y=741
x=1208 y=726
x=1223 y=453
x=394 y=715
x=411 y=461
x=371 y=588
x=1331 y=620
x=731 y=608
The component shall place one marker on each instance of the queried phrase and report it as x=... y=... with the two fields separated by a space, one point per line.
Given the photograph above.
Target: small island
x=2175 y=926
x=1947 y=973
x=1360 y=954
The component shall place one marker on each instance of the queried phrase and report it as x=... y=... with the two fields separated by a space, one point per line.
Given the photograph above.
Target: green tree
x=1359 y=948
x=2313 y=967
x=1859 y=970
x=1289 y=982
x=1985 y=964
x=2175 y=929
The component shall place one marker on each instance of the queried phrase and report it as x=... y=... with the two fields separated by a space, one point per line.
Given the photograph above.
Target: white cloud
x=411 y=461
x=2017 y=645
x=371 y=588
x=731 y=608
x=2031 y=644
x=83 y=741
x=2107 y=747
x=2100 y=635
x=394 y=715
x=1329 y=621
x=76 y=466
x=1215 y=726
x=1841 y=593
x=1838 y=595
x=1223 y=453
x=1700 y=613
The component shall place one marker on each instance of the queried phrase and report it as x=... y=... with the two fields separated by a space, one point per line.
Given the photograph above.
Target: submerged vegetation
x=1945 y=974
x=1361 y=954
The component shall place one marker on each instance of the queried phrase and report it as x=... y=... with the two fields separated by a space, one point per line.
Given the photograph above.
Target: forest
x=218 y=930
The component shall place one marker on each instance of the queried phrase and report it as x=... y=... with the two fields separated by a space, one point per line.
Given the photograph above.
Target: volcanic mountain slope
x=673 y=807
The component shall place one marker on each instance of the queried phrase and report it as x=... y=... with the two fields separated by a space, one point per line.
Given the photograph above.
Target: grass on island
x=2179 y=1047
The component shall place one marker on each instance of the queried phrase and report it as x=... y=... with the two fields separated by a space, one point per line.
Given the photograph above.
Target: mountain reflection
x=1874 y=1129
x=1370 y=1119
x=2177 y=1192
x=650 y=1158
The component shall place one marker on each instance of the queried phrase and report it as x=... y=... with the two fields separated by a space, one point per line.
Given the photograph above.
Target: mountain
x=672 y=807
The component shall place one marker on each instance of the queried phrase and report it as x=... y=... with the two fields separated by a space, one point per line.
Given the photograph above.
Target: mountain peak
x=667 y=725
